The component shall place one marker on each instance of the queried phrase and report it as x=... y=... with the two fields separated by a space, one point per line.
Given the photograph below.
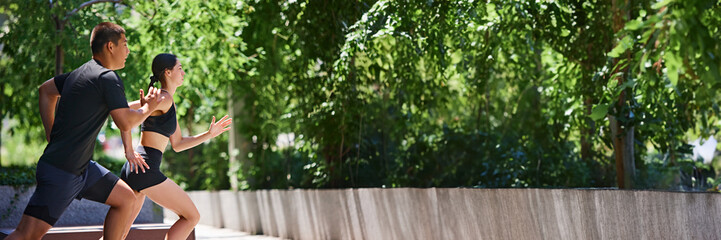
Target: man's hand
x=127 y=118
x=135 y=160
x=142 y=98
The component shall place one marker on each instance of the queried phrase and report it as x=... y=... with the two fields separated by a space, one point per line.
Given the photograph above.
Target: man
x=65 y=171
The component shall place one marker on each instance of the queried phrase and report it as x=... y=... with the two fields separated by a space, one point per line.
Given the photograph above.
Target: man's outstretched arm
x=128 y=118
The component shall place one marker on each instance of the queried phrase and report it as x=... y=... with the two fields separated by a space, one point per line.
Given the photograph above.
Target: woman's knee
x=139 y=199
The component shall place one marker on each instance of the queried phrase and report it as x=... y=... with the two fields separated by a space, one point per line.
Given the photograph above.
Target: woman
x=157 y=130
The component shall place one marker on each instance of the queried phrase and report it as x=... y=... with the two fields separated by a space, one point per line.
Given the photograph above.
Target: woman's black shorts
x=149 y=178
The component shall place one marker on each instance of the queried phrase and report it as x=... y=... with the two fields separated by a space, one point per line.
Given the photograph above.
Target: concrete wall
x=79 y=213
x=438 y=213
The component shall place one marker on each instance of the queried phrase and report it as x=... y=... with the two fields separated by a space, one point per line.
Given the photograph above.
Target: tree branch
x=88 y=3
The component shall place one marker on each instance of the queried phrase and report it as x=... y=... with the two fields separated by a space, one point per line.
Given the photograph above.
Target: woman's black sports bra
x=165 y=124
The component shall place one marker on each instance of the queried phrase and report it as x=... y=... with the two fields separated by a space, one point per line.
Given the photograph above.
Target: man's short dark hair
x=104 y=33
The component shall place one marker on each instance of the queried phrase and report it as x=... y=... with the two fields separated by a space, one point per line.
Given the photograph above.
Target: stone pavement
x=204 y=232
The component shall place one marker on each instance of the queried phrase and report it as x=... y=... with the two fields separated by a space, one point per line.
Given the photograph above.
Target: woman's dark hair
x=160 y=63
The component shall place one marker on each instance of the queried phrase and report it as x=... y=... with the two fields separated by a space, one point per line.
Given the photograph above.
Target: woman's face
x=176 y=75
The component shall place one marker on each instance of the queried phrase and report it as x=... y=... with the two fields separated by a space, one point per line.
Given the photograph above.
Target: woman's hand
x=216 y=128
x=135 y=160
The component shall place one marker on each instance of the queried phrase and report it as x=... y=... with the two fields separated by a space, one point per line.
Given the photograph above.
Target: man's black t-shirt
x=88 y=94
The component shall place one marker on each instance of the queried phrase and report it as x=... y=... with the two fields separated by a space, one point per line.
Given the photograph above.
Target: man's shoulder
x=91 y=69
x=109 y=75
x=101 y=72
x=93 y=66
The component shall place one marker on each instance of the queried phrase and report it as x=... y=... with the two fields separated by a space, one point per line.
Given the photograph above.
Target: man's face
x=120 y=52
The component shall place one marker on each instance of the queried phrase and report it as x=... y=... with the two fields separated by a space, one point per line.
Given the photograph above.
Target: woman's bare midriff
x=153 y=140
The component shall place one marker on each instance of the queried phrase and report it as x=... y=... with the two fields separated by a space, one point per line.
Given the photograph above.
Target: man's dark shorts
x=56 y=189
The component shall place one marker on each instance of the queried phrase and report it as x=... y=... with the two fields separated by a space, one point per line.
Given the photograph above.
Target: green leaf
x=661 y=4
x=599 y=112
x=565 y=32
x=621 y=47
x=673 y=64
x=642 y=63
x=633 y=25
x=627 y=84
x=8 y=90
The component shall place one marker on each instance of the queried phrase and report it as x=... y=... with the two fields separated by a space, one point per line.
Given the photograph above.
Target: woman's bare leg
x=169 y=195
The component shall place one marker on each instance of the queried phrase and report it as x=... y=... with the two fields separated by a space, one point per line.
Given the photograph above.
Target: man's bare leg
x=122 y=204
x=29 y=228
x=139 y=199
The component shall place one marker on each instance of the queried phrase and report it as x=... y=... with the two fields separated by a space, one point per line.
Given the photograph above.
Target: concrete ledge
x=229 y=203
x=248 y=214
x=79 y=213
x=137 y=232
x=459 y=213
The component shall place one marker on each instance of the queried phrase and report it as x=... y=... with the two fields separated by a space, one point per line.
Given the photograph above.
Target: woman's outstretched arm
x=180 y=143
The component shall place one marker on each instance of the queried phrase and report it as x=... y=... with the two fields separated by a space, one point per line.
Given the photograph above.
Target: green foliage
x=28 y=54
x=207 y=44
x=202 y=167
x=18 y=149
x=17 y=175
x=296 y=44
x=396 y=110
x=495 y=93
x=206 y=38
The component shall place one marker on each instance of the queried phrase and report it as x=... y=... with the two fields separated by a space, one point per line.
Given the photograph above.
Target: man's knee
x=129 y=196
x=28 y=230
x=17 y=235
x=122 y=197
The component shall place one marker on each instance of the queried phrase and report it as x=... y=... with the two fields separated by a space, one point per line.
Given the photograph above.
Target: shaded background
x=337 y=94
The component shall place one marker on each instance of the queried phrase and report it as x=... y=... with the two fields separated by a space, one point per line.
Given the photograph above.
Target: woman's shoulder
x=167 y=102
x=165 y=105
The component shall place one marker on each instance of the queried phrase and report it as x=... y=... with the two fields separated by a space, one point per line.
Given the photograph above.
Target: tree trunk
x=3 y=18
x=623 y=138
x=60 y=26
x=623 y=152
x=232 y=158
x=59 y=58
x=587 y=131
x=237 y=147
x=1 y=129
x=189 y=127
